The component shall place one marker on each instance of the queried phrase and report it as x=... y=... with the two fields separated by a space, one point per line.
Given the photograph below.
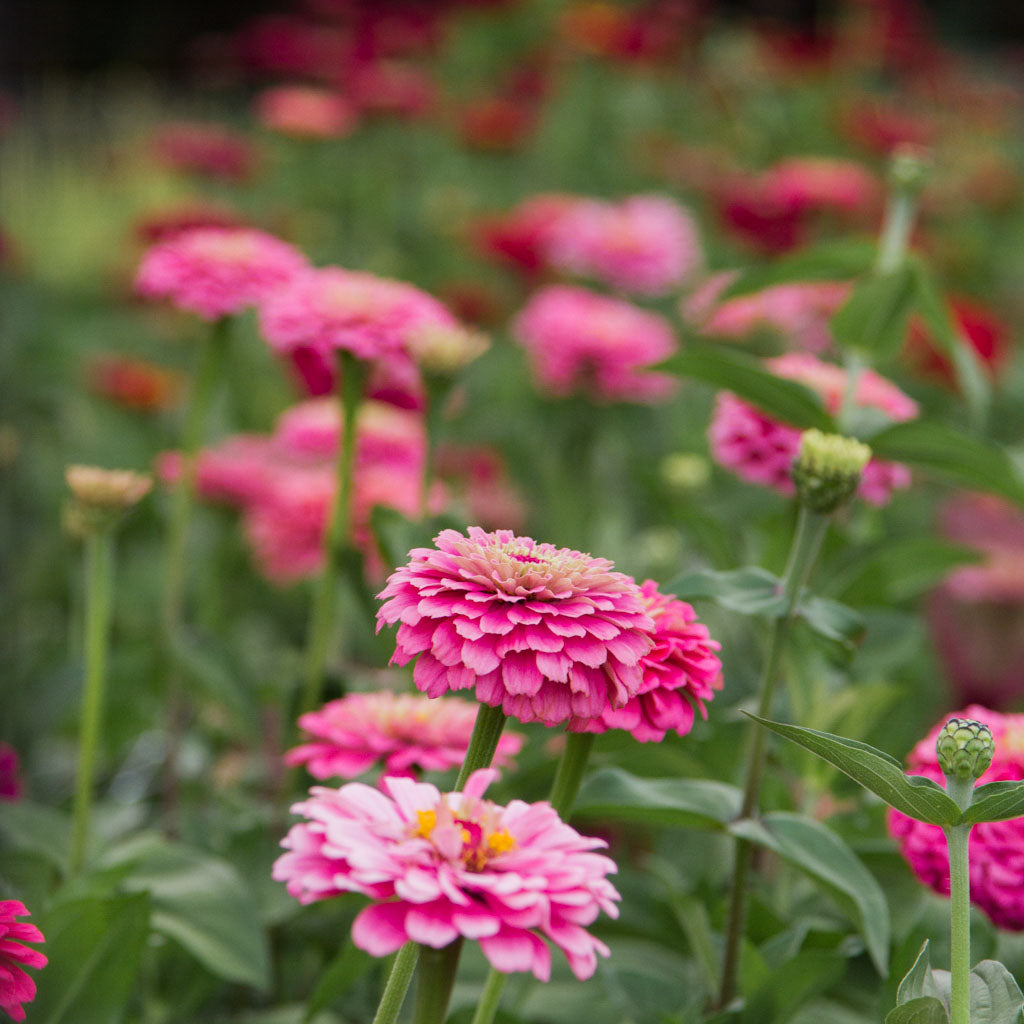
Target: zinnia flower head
x=208 y=150
x=549 y=634
x=579 y=340
x=996 y=847
x=306 y=112
x=681 y=672
x=522 y=236
x=16 y=987
x=645 y=245
x=134 y=383
x=440 y=866
x=216 y=272
x=761 y=450
x=407 y=732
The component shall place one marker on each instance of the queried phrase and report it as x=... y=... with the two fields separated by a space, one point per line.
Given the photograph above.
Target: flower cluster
x=440 y=866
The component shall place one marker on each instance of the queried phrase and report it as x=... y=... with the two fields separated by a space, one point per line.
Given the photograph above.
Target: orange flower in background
x=306 y=112
x=134 y=383
x=496 y=123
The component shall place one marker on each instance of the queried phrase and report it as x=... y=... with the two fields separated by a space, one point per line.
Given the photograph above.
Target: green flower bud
x=965 y=748
x=908 y=168
x=827 y=469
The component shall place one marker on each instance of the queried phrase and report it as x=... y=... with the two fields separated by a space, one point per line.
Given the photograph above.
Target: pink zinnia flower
x=547 y=633
x=761 y=450
x=210 y=150
x=522 y=236
x=645 y=245
x=997 y=847
x=16 y=987
x=306 y=112
x=579 y=340
x=443 y=866
x=10 y=773
x=681 y=672
x=216 y=272
x=408 y=733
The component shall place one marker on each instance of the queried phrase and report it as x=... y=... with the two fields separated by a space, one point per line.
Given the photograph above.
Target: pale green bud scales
x=828 y=469
x=965 y=748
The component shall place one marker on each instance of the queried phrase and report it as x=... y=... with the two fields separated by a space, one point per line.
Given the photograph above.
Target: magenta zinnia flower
x=443 y=866
x=761 y=450
x=549 y=634
x=681 y=672
x=216 y=272
x=16 y=987
x=407 y=732
x=997 y=847
x=581 y=341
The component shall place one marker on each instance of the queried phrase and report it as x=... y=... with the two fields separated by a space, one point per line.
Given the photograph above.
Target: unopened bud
x=908 y=168
x=828 y=469
x=444 y=351
x=100 y=496
x=965 y=748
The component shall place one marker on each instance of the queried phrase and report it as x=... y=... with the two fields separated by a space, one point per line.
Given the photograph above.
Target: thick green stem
x=810 y=532
x=957 y=840
x=489 y=998
x=434 y=982
x=99 y=588
x=351 y=374
x=483 y=742
x=895 y=237
x=397 y=984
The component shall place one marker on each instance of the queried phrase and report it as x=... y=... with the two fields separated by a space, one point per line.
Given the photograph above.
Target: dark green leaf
x=750 y=590
x=833 y=620
x=831 y=261
x=998 y=801
x=996 y=997
x=94 y=948
x=341 y=974
x=793 y=983
x=923 y=1010
x=874 y=318
x=616 y=795
x=875 y=770
x=951 y=454
x=746 y=377
x=37 y=829
x=913 y=984
x=201 y=902
x=817 y=850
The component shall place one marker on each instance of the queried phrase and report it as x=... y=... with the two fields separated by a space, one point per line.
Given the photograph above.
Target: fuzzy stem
x=895 y=236
x=434 y=982
x=351 y=374
x=437 y=393
x=957 y=840
x=398 y=984
x=482 y=743
x=99 y=587
x=489 y=998
x=810 y=531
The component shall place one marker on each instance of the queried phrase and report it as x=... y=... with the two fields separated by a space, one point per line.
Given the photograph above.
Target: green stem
x=99 y=588
x=483 y=742
x=489 y=998
x=896 y=227
x=398 y=984
x=351 y=375
x=437 y=393
x=434 y=982
x=957 y=841
x=810 y=532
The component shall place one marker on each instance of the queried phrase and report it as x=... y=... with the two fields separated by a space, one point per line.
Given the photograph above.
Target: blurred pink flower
x=681 y=672
x=644 y=245
x=209 y=150
x=479 y=481
x=215 y=272
x=442 y=866
x=409 y=733
x=761 y=450
x=549 y=634
x=996 y=848
x=578 y=340
x=306 y=112
x=522 y=236
x=16 y=987
x=392 y=87
x=160 y=225
x=10 y=774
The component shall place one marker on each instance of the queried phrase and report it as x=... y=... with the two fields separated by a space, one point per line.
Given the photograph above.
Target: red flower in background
x=496 y=123
x=134 y=383
x=988 y=336
x=522 y=236
x=206 y=150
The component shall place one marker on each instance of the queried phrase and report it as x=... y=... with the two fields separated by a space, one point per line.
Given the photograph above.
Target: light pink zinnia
x=408 y=733
x=761 y=450
x=578 y=340
x=16 y=987
x=306 y=112
x=997 y=847
x=681 y=672
x=547 y=633
x=443 y=866
x=217 y=272
x=644 y=245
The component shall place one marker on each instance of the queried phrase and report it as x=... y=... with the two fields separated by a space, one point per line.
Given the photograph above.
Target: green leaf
x=952 y=455
x=202 y=903
x=94 y=948
x=616 y=795
x=874 y=318
x=209 y=666
x=816 y=849
x=996 y=997
x=923 y=1010
x=998 y=801
x=341 y=974
x=749 y=591
x=831 y=261
x=913 y=984
x=746 y=377
x=39 y=830
x=833 y=620
x=876 y=771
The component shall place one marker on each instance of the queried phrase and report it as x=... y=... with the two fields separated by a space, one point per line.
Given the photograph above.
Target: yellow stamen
x=427 y=819
x=501 y=842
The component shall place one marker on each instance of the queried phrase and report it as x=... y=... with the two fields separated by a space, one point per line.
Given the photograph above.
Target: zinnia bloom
x=306 y=112
x=761 y=450
x=681 y=672
x=134 y=383
x=645 y=245
x=579 y=340
x=10 y=773
x=16 y=987
x=522 y=236
x=216 y=272
x=988 y=336
x=997 y=847
x=208 y=150
x=547 y=633
x=443 y=866
x=408 y=733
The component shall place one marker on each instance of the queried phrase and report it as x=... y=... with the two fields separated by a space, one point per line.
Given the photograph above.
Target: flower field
x=514 y=514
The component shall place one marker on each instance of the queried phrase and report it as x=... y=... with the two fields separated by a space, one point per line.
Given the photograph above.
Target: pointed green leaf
x=37 y=829
x=998 y=801
x=996 y=997
x=616 y=795
x=831 y=261
x=875 y=770
x=749 y=590
x=874 y=318
x=923 y=1010
x=817 y=850
x=747 y=378
x=913 y=984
